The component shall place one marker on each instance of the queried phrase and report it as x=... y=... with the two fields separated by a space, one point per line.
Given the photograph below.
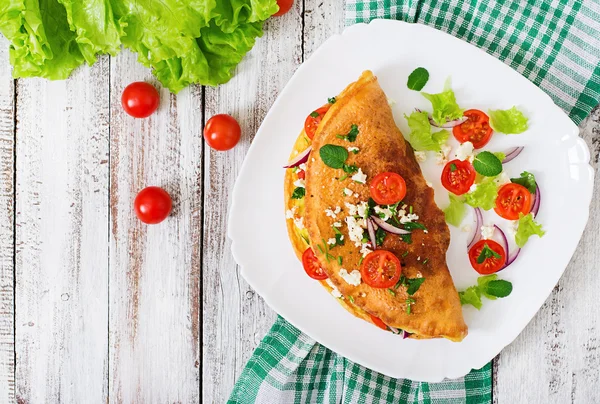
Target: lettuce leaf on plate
x=420 y=137
x=444 y=106
x=526 y=228
x=456 y=211
x=508 y=121
x=484 y=195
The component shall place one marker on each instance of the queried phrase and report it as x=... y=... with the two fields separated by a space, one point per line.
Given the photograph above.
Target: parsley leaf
x=487 y=164
x=380 y=236
x=350 y=136
x=392 y=292
x=333 y=156
x=406 y=238
x=299 y=193
x=452 y=167
x=417 y=79
x=409 y=302
x=351 y=299
x=527 y=180
x=314 y=114
x=486 y=253
x=414 y=285
x=349 y=168
x=414 y=225
x=331 y=100
x=339 y=240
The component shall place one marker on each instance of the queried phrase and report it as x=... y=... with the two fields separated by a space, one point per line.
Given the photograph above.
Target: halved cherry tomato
x=284 y=7
x=489 y=264
x=312 y=266
x=377 y=321
x=301 y=174
x=513 y=199
x=381 y=269
x=314 y=119
x=476 y=129
x=458 y=176
x=388 y=188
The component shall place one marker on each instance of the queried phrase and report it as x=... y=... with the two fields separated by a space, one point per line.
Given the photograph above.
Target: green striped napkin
x=555 y=44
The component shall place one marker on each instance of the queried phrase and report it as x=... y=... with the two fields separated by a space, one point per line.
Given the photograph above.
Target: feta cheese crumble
x=333 y=213
x=360 y=177
x=335 y=292
x=302 y=166
x=512 y=228
x=421 y=156
x=466 y=228
x=362 y=209
x=384 y=214
x=502 y=179
x=347 y=192
x=289 y=214
x=473 y=188
x=299 y=222
x=353 y=149
x=411 y=217
x=353 y=278
x=487 y=232
x=442 y=156
x=300 y=183
x=464 y=151
x=365 y=249
x=331 y=241
x=355 y=230
x=337 y=224
x=352 y=209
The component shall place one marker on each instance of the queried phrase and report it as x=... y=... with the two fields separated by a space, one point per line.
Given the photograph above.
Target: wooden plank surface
x=62 y=238
x=154 y=270
x=7 y=177
x=557 y=357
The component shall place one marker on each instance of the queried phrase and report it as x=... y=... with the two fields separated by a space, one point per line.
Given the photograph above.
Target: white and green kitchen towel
x=556 y=45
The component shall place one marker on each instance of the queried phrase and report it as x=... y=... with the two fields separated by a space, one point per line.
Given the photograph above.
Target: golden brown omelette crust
x=437 y=311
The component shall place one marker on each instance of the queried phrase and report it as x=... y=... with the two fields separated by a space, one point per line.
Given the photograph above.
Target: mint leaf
x=414 y=285
x=350 y=136
x=487 y=164
x=508 y=121
x=417 y=79
x=486 y=253
x=489 y=286
x=331 y=100
x=299 y=193
x=527 y=180
x=498 y=288
x=333 y=156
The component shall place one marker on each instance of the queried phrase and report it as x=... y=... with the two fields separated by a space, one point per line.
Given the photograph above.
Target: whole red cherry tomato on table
x=152 y=205
x=222 y=132
x=140 y=99
x=284 y=7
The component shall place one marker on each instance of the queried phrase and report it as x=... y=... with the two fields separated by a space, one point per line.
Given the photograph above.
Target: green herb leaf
x=501 y=156
x=351 y=298
x=527 y=180
x=484 y=196
x=414 y=285
x=417 y=79
x=499 y=288
x=406 y=238
x=404 y=254
x=444 y=106
x=456 y=211
x=508 y=121
x=339 y=260
x=338 y=239
x=314 y=114
x=349 y=168
x=333 y=156
x=452 y=167
x=350 y=136
x=331 y=100
x=392 y=292
x=487 y=164
x=409 y=302
x=526 y=228
x=380 y=236
x=486 y=253
x=299 y=193
x=489 y=286
x=420 y=137
x=425 y=261
x=471 y=296
x=414 y=225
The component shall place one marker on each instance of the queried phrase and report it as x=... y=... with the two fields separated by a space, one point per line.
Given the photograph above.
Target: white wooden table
x=96 y=307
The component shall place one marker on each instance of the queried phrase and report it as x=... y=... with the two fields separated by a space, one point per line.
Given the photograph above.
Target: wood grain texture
x=235 y=318
x=154 y=270
x=557 y=357
x=7 y=177
x=62 y=238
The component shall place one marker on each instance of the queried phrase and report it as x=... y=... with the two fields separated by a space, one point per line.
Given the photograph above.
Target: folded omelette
x=358 y=244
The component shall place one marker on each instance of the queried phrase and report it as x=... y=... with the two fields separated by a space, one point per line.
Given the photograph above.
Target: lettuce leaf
x=444 y=106
x=484 y=195
x=455 y=212
x=508 y=121
x=420 y=137
x=200 y=41
x=471 y=296
x=526 y=228
x=489 y=286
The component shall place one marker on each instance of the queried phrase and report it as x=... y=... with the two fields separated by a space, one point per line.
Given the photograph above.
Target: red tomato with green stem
x=487 y=257
x=458 y=176
x=140 y=99
x=152 y=205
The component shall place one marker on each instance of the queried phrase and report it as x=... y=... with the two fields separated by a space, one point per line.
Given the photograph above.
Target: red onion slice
x=536 y=201
x=512 y=257
x=406 y=334
x=512 y=153
x=371 y=231
x=388 y=227
x=299 y=159
x=477 y=230
x=394 y=330
x=449 y=124
x=504 y=244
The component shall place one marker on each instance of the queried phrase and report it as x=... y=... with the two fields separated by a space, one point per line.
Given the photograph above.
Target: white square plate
x=553 y=152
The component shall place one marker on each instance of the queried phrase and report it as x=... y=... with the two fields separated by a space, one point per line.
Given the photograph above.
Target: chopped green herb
x=486 y=253
x=413 y=285
x=320 y=248
x=351 y=299
x=380 y=236
x=360 y=260
x=336 y=230
x=487 y=164
x=392 y=292
x=417 y=79
x=339 y=259
x=314 y=114
x=339 y=240
x=331 y=100
x=343 y=177
x=410 y=209
x=414 y=225
x=349 y=168
x=452 y=167
x=409 y=302
x=425 y=261
x=355 y=151
x=527 y=180
x=350 y=136
x=404 y=254
x=306 y=240
x=333 y=156
x=406 y=238
x=299 y=193
x=295 y=169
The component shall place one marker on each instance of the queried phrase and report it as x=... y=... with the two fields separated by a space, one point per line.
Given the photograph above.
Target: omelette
x=363 y=220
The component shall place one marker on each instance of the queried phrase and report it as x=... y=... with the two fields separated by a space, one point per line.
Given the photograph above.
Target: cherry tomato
x=312 y=266
x=458 y=176
x=152 y=205
x=222 y=132
x=476 y=129
x=284 y=7
x=512 y=199
x=490 y=264
x=301 y=174
x=377 y=321
x=140 y=99
x=381 y=269
x=314 y=119
x=388 y=188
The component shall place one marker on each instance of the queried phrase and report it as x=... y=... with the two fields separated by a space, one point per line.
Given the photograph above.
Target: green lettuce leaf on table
x=200 y=41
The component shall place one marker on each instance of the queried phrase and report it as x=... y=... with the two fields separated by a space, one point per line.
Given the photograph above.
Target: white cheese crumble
x=355 y=230
x=512 y=228
x=464 y=151
x=300 y=183
x=302 y=166
x=487 y=232
x=356 y=195
x=362 y=209
x=330 y=213
x=331 y=241
x=353 y=149
x=419 y=258
x=347 y=192
x=360 y=177
x=411 y=217
x=334 y=292
x=352 y=209
x=337 y=224
x=289 y=214
x=384 y=214
x=365 y=249
x=421 y=156
x=502 y=179
x=353 y=278
x=299 y=222
x=442 y=156
x=363 y=294
x=473 y=188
